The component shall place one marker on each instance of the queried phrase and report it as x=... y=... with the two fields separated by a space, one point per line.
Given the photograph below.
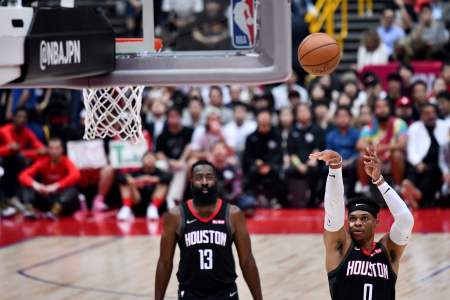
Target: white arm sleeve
x=334 y=201
x=403 y=220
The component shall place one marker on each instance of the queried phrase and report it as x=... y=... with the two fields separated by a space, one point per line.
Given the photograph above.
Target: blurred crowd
x=258 y=137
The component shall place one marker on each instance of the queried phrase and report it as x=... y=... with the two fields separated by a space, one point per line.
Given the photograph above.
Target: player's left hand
x=372 y=164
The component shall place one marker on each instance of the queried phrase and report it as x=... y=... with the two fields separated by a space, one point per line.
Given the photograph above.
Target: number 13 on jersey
x=206 y=259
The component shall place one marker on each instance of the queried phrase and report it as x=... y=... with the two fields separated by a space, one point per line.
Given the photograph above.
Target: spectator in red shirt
x=51 y=183
x=20 y=145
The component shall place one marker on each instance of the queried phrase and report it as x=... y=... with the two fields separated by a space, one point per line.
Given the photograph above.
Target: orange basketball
x=319 y=54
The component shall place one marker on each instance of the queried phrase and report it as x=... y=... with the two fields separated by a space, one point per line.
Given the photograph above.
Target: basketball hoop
x=115 y=111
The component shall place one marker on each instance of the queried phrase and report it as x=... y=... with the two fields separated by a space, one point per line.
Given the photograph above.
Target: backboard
x=204 y=42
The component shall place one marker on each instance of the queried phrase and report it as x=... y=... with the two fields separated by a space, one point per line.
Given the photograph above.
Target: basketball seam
x=323 y=62
x=317 y=48
x=307 y=38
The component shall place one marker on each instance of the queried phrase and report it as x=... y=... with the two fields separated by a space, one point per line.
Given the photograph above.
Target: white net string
x=113 y=112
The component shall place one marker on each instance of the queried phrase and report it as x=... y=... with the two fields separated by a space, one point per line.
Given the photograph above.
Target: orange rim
x=158 y=42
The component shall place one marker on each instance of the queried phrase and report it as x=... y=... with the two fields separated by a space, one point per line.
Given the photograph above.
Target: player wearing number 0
x=358 y=268
x=205 y=229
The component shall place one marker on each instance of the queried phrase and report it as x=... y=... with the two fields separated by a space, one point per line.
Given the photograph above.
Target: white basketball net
x=113 y=112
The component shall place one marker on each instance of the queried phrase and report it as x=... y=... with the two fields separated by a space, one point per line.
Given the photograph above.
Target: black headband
x=365 y=207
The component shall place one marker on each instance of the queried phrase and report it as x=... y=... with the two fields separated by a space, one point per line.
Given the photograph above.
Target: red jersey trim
x=190 y=205
x=369 y=253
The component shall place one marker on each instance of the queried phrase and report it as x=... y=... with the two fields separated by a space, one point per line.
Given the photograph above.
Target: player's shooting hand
x=372 y=164
x=328 y=156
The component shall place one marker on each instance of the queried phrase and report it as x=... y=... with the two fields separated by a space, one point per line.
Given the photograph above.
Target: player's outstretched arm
x=398 y=237
x=336 y=238
x=244 y=250
x=166 y=252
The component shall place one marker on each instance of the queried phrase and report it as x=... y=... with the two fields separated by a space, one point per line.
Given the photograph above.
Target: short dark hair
x=203 y=162
x=56 y=139
x=394 y=77
x=370 y=205
x=217 y=88
x=173 y=109
x=19 y=109
x=419 y=82
x=428 y=104
x=444 y=94
x=196 y=99
x=263 y=110
x=344 y=108
x=406 y=66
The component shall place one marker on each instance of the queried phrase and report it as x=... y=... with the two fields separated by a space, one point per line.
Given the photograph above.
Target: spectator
x=210 y=31
x=426 y=137
x=204 y=137
x=192 y=116
x=390 y=135
x=50 y=184
x=237 y=131
x=238 y=94
x=428 y=36
x=388 y=31
x=444 y=164
x=230 y=178
x=372 y=87
x=216 y=101
x=443 y=101
x=405 y=14
x=322 y=116
x=343 y=140
x=172 y=147
x=419 y=96
x=364 y=117
x=262 y=161
x=263 y=102
x=394 y=88
x=404 y=110
x=406 y=72
x=156 y=118
x=445 y=73
x=286 y=121
x=305 y=138
x=439 y=86
x=6 y=146
x=144 y=187
x=281 y=92
x=371 y=51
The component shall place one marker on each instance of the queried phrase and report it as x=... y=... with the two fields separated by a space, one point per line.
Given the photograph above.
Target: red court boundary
x=265 y=221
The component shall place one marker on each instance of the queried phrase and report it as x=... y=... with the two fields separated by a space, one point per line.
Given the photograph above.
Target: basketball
x=319 y=54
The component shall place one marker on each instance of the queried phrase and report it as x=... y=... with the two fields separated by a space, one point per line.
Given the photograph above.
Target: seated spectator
x=439 y=86
x=204 y=137
x=364 y=117
x=405 y=14
x=443 y=101
x=372 y=87
x=343 y=140
x=210 y=30
x=444 y=165
x=390 y=135
x=24 y=147
x=371 y=51
x=146 y=187
x=406 y=72
x=50 y=184
x=230 y=178
x=305 y=138
x=388 y=31
x=281 y=92
x=262 y=161
x=428 y=36
x=419 y=96
x=192 y=116
x=321 y=113
x=404 y=110
x=155 y=119
x=237 y=131
x=216 y=102
x=426 y=137
x=172 y=147
x=445 y=73
x=394 y=88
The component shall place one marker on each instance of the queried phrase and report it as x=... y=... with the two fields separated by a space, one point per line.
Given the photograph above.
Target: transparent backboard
x=204 y=41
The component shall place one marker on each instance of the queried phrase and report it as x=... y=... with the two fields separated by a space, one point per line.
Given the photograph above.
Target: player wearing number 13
x=358 y=268
x=205 y=229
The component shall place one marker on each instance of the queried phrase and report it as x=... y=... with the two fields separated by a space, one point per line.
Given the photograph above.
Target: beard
x=204 y=199
x=383 y=119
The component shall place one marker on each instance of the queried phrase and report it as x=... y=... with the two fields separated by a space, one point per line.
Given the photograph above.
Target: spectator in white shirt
x=371 y=51
x=236 y=131
x=281 y=93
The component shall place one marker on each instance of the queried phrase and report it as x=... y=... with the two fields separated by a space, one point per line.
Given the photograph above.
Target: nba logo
x=244 y=24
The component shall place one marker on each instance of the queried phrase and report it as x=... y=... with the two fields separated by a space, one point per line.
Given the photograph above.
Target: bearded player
x=205 y=229
x=358 y=268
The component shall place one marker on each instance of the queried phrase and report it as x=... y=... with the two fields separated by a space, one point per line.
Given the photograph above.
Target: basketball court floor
x=98 y=258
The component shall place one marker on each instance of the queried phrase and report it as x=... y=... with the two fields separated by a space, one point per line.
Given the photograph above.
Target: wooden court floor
x=110 y=267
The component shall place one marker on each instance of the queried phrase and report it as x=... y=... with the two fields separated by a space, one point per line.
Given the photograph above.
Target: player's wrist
x=336 y=163
x=379 y=181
